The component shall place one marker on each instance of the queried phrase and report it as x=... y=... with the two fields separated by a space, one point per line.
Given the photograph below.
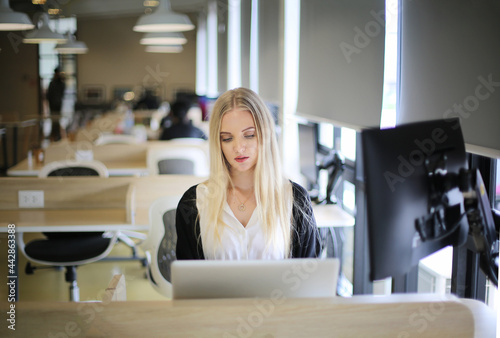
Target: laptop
x=289 y=278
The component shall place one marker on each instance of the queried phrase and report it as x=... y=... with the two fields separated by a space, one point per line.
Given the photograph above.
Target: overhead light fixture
x=163 y=20
x=71 y=46
x=43 y=33
x=13 y=21
x=163 y=38
x=164 y=48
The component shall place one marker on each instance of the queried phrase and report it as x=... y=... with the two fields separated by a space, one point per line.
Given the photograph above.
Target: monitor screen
x=396 y=165
x=308 y=148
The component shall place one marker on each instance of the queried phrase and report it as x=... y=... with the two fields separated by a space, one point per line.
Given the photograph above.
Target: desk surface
x=332 y=215
x=359 y=316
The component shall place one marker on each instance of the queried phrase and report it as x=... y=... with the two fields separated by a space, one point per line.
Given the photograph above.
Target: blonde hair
x=273 y=193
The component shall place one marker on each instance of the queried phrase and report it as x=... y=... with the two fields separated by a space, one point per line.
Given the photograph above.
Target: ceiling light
x=43 y=33
x=163 y=20
x=71 y=46
x=163 y=38
x=54 y=11
x=13 y=21
x=164 y=49
x=151 y=3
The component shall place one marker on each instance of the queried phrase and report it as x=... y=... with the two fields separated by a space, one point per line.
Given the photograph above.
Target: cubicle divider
x=85 y=202
x=363 y=316
x=60 y=201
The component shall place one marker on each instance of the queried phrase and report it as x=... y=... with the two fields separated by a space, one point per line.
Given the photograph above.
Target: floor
x=49 y=284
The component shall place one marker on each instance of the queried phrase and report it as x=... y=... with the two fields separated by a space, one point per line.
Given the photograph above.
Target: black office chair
x=69 y=249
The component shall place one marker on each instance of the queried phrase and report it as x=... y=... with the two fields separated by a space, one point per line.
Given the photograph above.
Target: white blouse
x=238 y=242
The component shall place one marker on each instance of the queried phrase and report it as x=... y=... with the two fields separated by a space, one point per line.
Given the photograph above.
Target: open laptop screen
x=289 y=278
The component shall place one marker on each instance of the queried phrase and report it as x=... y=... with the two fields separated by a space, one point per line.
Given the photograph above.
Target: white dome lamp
x=163 y=20
x=13 y=21
x=164 y=48
x=43 y=33
x=163 y=38
x=71 y=46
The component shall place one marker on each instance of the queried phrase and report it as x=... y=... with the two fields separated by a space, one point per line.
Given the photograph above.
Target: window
x=388 y=116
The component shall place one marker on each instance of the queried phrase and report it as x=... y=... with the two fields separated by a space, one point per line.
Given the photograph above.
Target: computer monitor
x=410 y=215
x=308 y=150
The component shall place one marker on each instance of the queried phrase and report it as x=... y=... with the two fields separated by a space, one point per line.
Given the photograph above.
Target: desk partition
x=360 y=316
x=84 y=203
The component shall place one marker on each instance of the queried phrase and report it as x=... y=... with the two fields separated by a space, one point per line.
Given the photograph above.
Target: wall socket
x=31 y=199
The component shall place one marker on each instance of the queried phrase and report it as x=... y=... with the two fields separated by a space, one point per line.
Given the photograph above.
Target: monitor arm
x=483 y=222
x=334 y=162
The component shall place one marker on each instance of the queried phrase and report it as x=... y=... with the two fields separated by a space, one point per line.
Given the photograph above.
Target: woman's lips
x=240 y=159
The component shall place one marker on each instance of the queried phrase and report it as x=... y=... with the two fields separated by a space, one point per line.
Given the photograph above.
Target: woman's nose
x=239 y=146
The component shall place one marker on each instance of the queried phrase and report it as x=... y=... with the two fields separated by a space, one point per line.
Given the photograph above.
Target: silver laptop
x=289 y=278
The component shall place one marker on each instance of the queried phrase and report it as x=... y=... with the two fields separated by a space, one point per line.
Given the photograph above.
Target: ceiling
x=103 y=8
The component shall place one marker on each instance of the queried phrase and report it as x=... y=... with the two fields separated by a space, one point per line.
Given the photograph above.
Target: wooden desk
x=359 y=316
x=332 y=215
x=115 y=168
x=120 y=159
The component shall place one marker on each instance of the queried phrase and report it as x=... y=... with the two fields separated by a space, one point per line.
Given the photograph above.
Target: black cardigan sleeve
x=305 y=237
x=187 y=226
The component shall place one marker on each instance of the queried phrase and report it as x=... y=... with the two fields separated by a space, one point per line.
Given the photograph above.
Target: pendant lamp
x=163 y=20
x=71 y=46
x=163 y=38
x=164 y=48
x=13 y=21
x=43 y=33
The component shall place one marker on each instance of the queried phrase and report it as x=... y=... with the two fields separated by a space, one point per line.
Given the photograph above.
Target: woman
x=246 y=209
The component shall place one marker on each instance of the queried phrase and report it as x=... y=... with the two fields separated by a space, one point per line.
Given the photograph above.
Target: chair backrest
x=160 y=244
x=174 y=158
x=74 y=168
x=116 y=139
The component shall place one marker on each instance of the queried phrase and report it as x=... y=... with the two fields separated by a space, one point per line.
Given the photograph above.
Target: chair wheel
x=29 y=269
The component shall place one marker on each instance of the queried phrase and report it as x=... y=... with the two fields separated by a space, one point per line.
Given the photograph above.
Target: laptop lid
x=289 y=278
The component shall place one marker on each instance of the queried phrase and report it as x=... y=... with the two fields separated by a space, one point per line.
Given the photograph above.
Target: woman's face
x=238 y=139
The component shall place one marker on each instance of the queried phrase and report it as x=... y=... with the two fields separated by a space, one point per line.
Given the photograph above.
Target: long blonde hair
x=273 y=193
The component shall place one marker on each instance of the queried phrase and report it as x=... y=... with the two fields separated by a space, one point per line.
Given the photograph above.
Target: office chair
x=69 y=249
x=161 y=242
x=88 y=168
x=178 y=158
x=73 y=168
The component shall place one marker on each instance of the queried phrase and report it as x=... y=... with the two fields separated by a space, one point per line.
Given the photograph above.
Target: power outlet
x=31 y=199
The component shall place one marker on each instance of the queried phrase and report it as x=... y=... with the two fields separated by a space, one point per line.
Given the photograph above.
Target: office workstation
x=327 y=91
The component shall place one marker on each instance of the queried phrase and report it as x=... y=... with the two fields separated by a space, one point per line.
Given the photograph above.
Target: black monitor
x=408 y=216
x=308 y=149
x=421 y=197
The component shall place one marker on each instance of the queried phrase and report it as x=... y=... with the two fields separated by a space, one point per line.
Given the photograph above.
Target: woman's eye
x=227 y=139
x=250 y=136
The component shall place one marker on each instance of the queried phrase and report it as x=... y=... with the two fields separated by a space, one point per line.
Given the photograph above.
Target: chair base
x=69 y=276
